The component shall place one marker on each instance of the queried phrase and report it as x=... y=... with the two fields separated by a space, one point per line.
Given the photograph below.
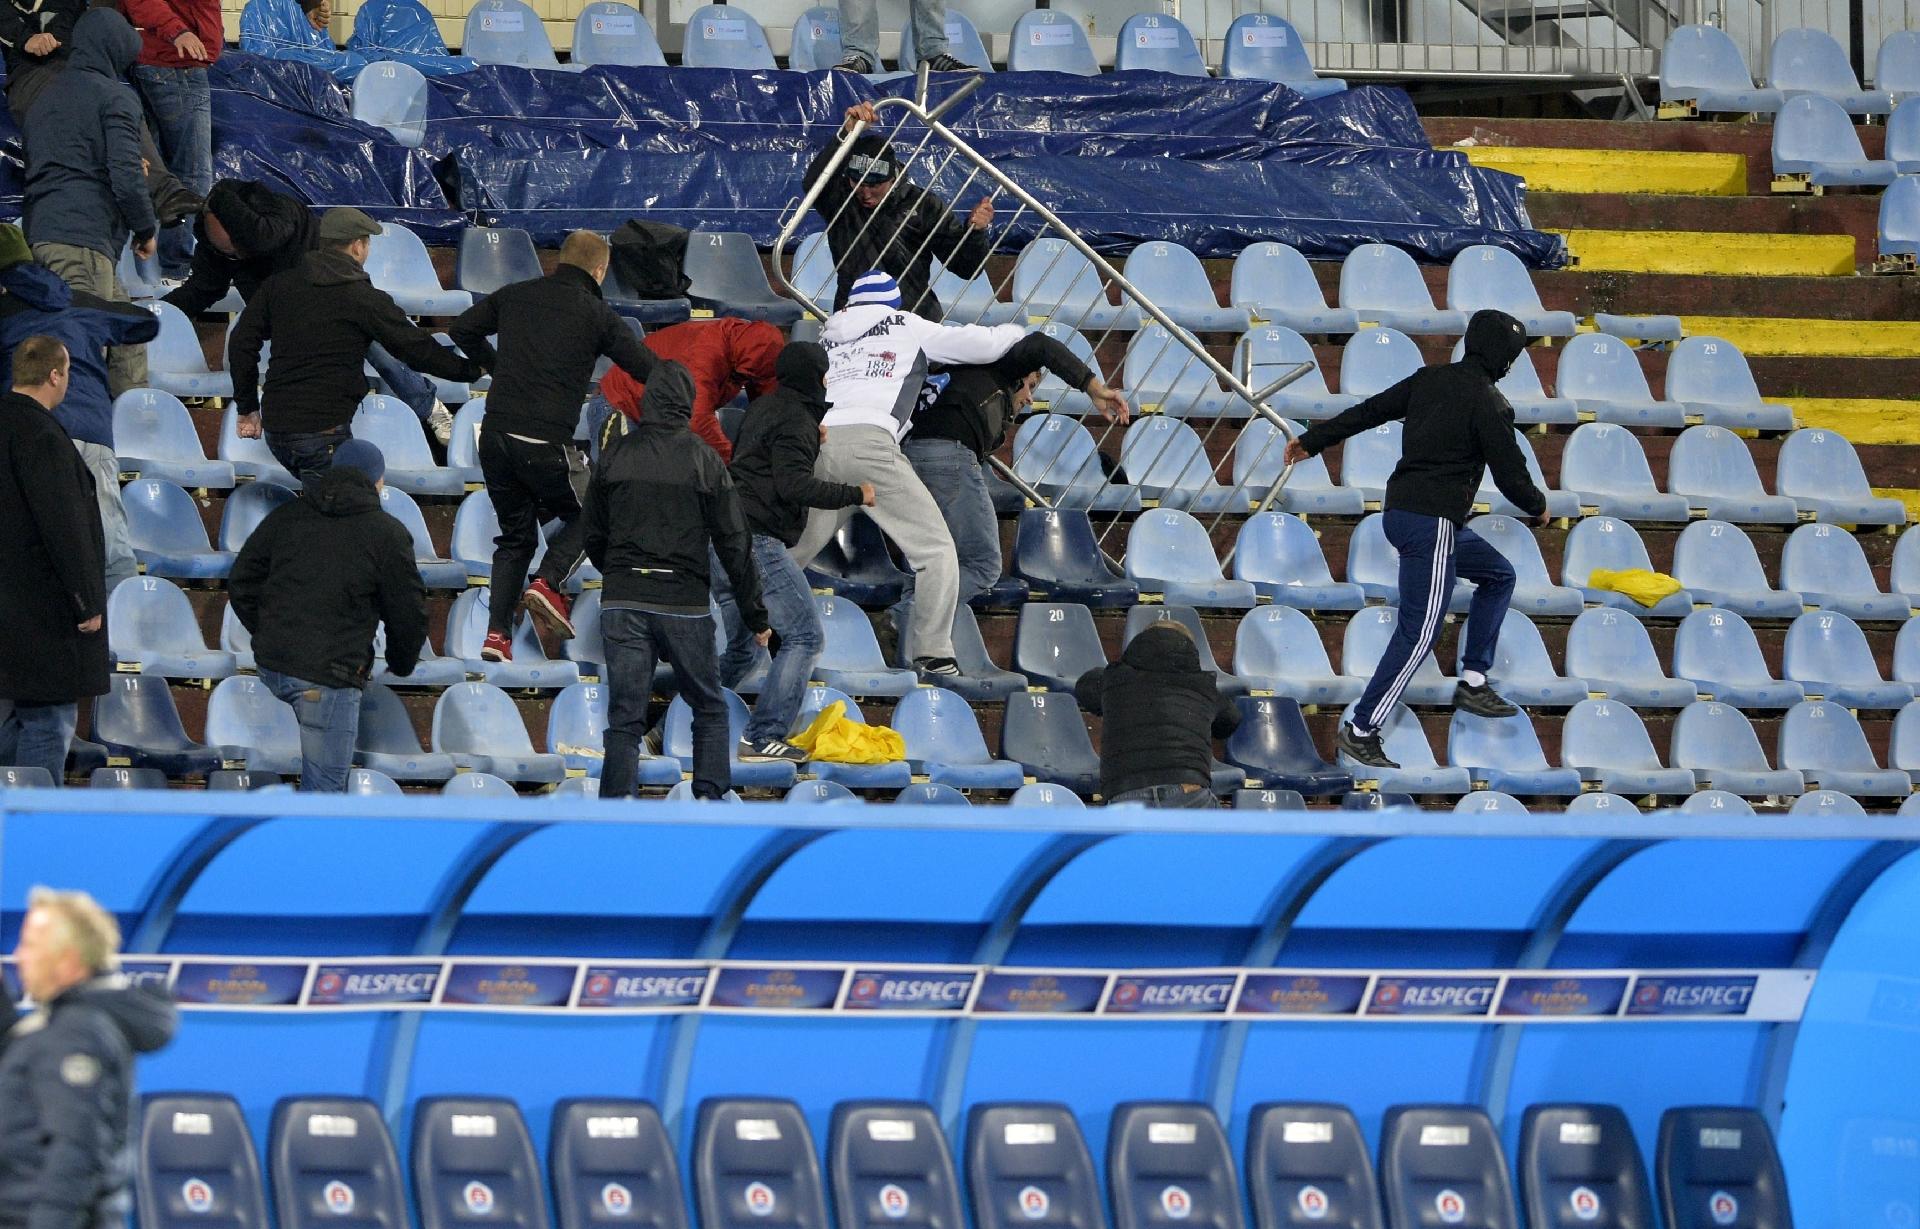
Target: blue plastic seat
x=1419 y=772
x=1604 y=542
x=1377 y=358
x=237 y=780
x=1899 y=226
x=1307 y=1162
x=1714 y=1165
x=152 y=629
x=1367 y=460
x=1820 y=472
x=676 y=742
x=435 y=572
x=1443 y=1165
x=1718 y=803
x=812 y=272
x=392 y=427
x=803 y=792
x=723 y=267
x=1713 y=468
x=1144 y=616
x=29 y=778
x=530 y=668
x=479 y=726
x=1904 y=575
x=1503 y=754
x=1056 y=552
x=1277 y=283
x=1534 y=592
x=175 y=362
x=1374 y=564
x=1522 y=388
x=1613 y=653
x=1579 y=1165
x=1810 y=62
x=1482 y=276
x=945 y=745
x=1823 y=740
x=1052 y=392
x=1278 y=649
x=507 y=32
x=1814 y=137
x=1169 y=553
x=1701 y=65
x=1903 y=131
x=1053 y=645
x=1559 y=503
x=1605 y=466
x=490 y=257
x=1166 y=461
x=1827 y=804
x=332 y=1157
x=1903 y=745
x=1489 y=802
x=972 y=300
x=1717 y=651
x=1366 y=639
x=387 y=743
x=1602 y=376
x=126 y=778
x=613 y=1158
x=1050 y=40
x=1718 y=565
x=475 y=526
x=1829 y=655
x=615 y=34
x=397 y=262
x=1639 y=328
x=1269 y=351
x=1165 y=378
x=1709 y=376
x=429 y=671
x=1170 y=1154
x=136 y=720
x=1896 y=67
x=463 y=450
x=472 y=1158
x=1608 y=743
x=963 y=42
x=372 y=783
x=981 y=677
x=250 y=457
x=1046 y=794
x=154 y=438
x=1600 y=802
x=1274 y=747
x=855 y=564
x=725 y=36
x=247 y=722
x=1384 y=287
x=141 y=278
x=1154 y=42
x=195 y=1164
x=236 y=639
x=1828 y=568
x=403 y=31
x=393 y=96
x=1266 y=47
x=1258 y=457
x=1168 y=273
x=577 y=729
x=1027 y=1163
x=246 y=508
x=1046 y=735
x=1051 y=279
x=1268 y=800
x=1906 y=654
x=1717 y=742
x=1523 y=672
x=932 y=794
x=477 y=785
x=167 y=535
x=850 y=656
x=1281 y=557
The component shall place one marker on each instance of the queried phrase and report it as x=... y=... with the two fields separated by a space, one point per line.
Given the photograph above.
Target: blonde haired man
x=66 y=1070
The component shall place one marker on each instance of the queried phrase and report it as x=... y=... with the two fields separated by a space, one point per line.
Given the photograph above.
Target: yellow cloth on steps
x=1643 y=586
x=838 y=738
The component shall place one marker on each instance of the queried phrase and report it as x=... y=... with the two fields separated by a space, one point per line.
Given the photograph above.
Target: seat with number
x=1503 y=754
x=1820 y=472
x=1169 y=1162
x=888 y=1165
x=1579 y=1165
x=1713 y=468
x=1827 y=567
x=753 y=1165
x=1443 y=1165
x=612 y=1162
x=1825 y=743
x=1603 y=376
x=1281 y=556
x=1614 y=654
x=1710 y=377
x=1608 y=743
x=1718 y=1166
x=1046 y=735
x=473 y=1161
x=331 y=1158
x=1604 y=542
x=1169 y=553
x=1049 y=40
x=1028 y=1168
x=1052 y=280
x=1257 y=462
x=1383 y=286
x=1717 y=743
x=1829 y=655
x=1276 y=281
x=1483 y=276
x=1053 y=645
x=1606 y=467
x=1278 y=649
x=196 y=1165
x=1718 y=652
x=1307 y=1164
x=1168 y=273
x=1366 y=640
x=1275 y=748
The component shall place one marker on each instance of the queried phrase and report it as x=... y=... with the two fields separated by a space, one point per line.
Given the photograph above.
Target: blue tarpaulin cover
x=280 y=29
x=403 y=30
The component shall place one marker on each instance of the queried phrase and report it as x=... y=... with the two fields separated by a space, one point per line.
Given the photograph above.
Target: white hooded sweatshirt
x=877 y=359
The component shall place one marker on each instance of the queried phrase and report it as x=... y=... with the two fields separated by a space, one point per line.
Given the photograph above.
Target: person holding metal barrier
x=876 y=222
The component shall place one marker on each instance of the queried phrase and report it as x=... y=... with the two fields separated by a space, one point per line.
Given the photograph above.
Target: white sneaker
x=440 y=422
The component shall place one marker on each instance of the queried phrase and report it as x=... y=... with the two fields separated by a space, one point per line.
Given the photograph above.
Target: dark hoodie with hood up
x=779 y=442
x=270 y=231
x=1458 y=425
x=1161 y=713
x=659 y=496
x=67 y=1104
x=33 y=300
x=84 y=182
x=316 y=577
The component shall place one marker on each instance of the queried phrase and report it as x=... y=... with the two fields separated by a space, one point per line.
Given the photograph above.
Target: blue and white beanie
x=874 y=287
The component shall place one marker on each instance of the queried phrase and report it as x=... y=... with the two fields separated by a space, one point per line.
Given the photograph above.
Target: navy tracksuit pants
x=1433 y=550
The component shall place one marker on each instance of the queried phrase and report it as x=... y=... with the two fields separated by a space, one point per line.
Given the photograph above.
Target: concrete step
x=1588 y=171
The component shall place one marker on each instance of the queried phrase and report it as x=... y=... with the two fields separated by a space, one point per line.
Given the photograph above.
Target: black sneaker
x=944 y=63
x=1363 y=749
x=853 y=62
x=1482 y=701
x=769 y=751
x=938 y=667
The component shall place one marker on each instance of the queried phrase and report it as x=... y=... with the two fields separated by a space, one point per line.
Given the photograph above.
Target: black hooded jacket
x=779 y=442
x=659 y=497
x=977 y=403
x=319 y=574
x=1162 y=713
x=1458 y=425
x=270 y=230
x=67 y=1104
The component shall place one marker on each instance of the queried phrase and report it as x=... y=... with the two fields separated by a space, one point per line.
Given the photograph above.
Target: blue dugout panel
x=263 y=876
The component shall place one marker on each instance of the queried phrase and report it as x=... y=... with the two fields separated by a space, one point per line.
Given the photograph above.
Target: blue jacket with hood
x=33 y=300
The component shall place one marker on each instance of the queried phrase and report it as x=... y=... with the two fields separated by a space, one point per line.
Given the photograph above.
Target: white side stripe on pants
x=1438 y=595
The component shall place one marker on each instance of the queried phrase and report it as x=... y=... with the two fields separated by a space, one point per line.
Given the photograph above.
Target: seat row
x=1817 y=803
x=1701 y=69
x=755 y=1162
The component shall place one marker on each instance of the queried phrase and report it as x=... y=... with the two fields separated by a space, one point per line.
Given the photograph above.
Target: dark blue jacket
x=35 y=300
x=84 y=182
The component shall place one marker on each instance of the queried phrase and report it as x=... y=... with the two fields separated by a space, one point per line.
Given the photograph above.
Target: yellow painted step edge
x=1863 y=420
x=1617 y=170
x=1720 y=253
x=1774 y=337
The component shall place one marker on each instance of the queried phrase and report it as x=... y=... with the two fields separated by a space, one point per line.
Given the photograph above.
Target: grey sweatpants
x=121 y=563
x=905 y=512
x=87 y=270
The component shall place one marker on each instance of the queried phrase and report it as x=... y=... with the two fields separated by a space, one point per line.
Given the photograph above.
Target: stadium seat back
x=1443 y=1165
x=1517 y=544
x=1370 y=457
x=1812 y=129
x=612 y=1162
x=1050 y=277
x=127 y=778
x=1273 y=743
x=1376 y=358
x=1144 y=616
x=1050 y=40
x=507 y=32
x=1054 y=644
x=386 y=727
x=1810 y=60
x=1903 y=127
x=1379 y=275
x=1307 y=1163
x=577 y=722
x=196 y=1165
x=176 y=348
x=1509 y=744
x=1606 y=734
x=473 y=1162
x=813 y=271
x=1155 y=42
x=1028 y=1165
x=816 y=40
x=819 y=791
x=1277 y=641
x=1601 y=368
x=1718 y=556
x=150 y=614
x=1058 y=546
x=615 y=34
x=1610 y=644
x=1900 y=216
x=479 y=718
x=372 y=783
x=161 y=517
x=754 y=1166
x=388 y=424
x=393 y=96
x=1268 y=800
x=1484 y=276
x=1701 y=58
x=248 y=456
x=1046 y=794
x=1490 y=802
x=1825 y=559
x=963 y=42
x=888 y=1162
x=154 y=426
x=1158 y=370
x=1259 y=454
x=725 y=36
x=1052 y=389
x=1169 y=1162
x=1046 y=735
x=1820 y=463
x=1718 y=644
x=1601 y=542
x=1709 y=460
x=1365 y=639
x=25 y=778
x=1896 y=68
x=397 y=261
x=676 y=736
x=1265 y=47
x=1168 y=544
x=241 y=712
x=1605 y=458
x=1710 y=370
x=1822 y=734
x=1717 y=802
x=1280 y=548
x=929 y=794
x=1269 y=350
x=1718 y=1166
x=1521 y=655
x=939 y=725
x=401 y=507
x=1708 y=734
x=1825 y=647
x=332 y=1159
x=1828 y=804
x=723 y=268
x=1579 y=1165
x=245 y=508
x=491 y=257
x=138 y=712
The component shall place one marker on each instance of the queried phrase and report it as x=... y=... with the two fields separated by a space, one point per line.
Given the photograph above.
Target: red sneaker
x=496 y=648
x=550 y=609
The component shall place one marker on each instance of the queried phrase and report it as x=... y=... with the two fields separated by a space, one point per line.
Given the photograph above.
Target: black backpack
x=647 y=259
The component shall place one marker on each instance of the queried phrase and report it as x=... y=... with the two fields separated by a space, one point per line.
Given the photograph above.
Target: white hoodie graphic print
x=877 y=358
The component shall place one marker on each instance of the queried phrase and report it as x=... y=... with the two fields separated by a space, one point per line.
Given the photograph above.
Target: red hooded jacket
x=162 y=21
x=725 y=357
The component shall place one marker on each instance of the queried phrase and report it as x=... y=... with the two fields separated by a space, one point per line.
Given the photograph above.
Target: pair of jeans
x=329 y=726
x=1170 y=797
x=414 y=389
x=953 y=476
x=105 y=467
x=93 y=272
x=794 y=619
x=531 y=483
x=1433 y=550
x=306 y=454
x=37 y=736
x=860 y=28
x=180 y=109
x=635 y=641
